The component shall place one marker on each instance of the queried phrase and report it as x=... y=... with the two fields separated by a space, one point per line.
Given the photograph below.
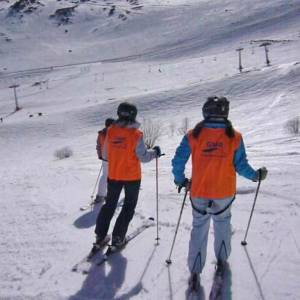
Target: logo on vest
x=213 y=146
x=119 y=142
x=214 y=149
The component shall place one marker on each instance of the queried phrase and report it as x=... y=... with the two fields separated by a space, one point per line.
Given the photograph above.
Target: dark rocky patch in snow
x=122 y=11
x=63 y=15
x=5 y=37
x=111 y=9
x=21 y=7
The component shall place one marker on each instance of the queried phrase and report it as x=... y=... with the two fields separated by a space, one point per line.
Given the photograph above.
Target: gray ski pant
x=199 y=233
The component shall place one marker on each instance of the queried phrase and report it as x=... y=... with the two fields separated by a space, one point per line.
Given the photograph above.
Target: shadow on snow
x=103 y=282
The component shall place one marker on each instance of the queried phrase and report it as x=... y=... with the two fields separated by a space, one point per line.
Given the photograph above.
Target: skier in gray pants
x=218 y=152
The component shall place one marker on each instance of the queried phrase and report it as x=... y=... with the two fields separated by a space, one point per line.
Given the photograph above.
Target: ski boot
x=117 y=244
x=194 y=283
x=99 y=199
x=221 y=267
x=98 y=245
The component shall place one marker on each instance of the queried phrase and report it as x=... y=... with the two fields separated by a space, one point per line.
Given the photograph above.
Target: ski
x=90 y=205
x=216 y=290
x=112 y=250
x=83 y=208
x=86 y=207
x=93 y=203
x=87 y=260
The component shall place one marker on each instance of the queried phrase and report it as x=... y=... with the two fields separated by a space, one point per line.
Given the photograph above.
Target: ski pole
x=156 y=176
x=93 y=194
x=244 y=243
x=169 y=261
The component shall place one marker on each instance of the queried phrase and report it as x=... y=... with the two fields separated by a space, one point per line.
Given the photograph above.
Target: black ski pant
x=114 y=188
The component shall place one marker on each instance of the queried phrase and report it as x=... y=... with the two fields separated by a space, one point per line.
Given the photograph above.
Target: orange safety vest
x=100 y=141
x=123 y=163
x=213 y=170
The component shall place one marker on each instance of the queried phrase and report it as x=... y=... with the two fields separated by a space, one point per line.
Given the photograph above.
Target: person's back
x=213 y=169
x=121 y=152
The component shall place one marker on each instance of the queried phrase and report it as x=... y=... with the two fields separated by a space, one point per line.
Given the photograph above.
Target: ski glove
x=262 y=173
x=157 y=151
x=184 y=184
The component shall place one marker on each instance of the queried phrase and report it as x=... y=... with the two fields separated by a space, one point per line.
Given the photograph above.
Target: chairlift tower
x=14 y=86
x=239 y=50
x=265 y=45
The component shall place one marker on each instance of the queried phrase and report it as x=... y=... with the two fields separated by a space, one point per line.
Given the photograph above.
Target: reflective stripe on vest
x=123 y=163
x=213 y=171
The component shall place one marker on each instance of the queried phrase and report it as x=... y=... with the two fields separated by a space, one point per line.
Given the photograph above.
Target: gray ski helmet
x=108 y=122
x=127 y=111
x=216 y=107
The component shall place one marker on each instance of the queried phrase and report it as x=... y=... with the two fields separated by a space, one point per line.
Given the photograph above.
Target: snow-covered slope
x=152 y=30
x=167 y=57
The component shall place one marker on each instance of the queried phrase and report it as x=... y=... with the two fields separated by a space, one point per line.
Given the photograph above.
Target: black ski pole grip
x=259 y=174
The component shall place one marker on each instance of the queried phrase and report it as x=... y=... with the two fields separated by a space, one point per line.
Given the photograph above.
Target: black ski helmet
x=108 y=122
x=127 y=111
x=216 y=107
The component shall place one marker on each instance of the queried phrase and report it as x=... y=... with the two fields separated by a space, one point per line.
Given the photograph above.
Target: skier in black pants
x=124 y=148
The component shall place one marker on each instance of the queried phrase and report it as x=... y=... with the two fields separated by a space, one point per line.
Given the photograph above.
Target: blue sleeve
x=181 y=157
x=241 y=163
